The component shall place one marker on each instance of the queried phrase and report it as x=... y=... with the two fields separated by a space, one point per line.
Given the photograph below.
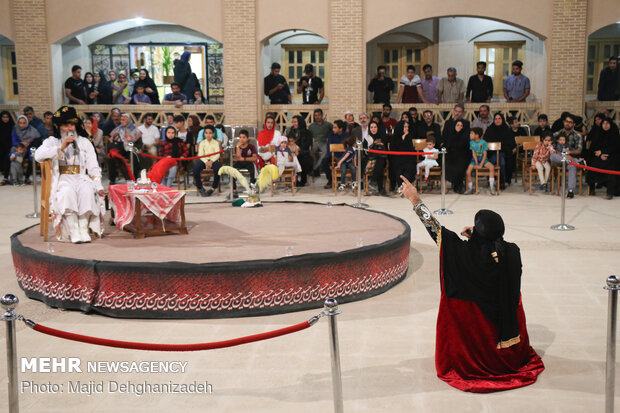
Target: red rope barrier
x=170 y=347
x=590 y=168
x=399 y=153
x=180 y=159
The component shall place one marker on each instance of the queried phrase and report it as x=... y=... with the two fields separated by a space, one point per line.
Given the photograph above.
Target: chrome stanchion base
x=33 y=215
x=443 y=211
x=562 y=227
x=360 y=205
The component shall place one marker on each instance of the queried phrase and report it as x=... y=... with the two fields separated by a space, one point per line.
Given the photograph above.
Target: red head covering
x=266 y=135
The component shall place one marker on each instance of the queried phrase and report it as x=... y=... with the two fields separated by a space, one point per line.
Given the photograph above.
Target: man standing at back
x=311 y=87
x=320 y=130
x=429 y=85
x=609 y=81
x=517 y=85
x=381 y=85
x=276 y=86
x=480 y=86
x=451 y=89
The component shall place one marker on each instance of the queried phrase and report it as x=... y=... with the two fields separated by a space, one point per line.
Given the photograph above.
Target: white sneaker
x=342 y=187
x=74 y=228
x=83 y=224
x=470 y=191
x=492 y=189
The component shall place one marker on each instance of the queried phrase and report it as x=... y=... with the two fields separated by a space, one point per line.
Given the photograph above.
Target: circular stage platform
x=235 y=262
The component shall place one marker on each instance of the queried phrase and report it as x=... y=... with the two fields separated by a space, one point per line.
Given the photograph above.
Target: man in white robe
x=76 y=191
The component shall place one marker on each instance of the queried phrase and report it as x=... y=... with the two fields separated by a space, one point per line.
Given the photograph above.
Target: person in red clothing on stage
x=482 y=343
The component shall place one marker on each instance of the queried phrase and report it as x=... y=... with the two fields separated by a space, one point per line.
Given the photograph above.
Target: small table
x=148 y=213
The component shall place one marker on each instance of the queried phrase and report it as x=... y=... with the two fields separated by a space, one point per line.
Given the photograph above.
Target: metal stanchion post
x=35 y=213
x=613 y=285
x=359 y=203
x=332 y=310
x=231 y=146
x=130 y=144
x=563 y=226
x=9 y=302
x=443 y=210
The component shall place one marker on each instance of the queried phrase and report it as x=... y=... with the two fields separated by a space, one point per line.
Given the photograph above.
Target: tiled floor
x=387 y=342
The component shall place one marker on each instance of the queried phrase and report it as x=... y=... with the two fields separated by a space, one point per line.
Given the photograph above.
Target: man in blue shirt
x=517 y=85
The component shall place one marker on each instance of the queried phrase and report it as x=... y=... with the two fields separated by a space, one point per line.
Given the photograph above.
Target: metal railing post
x=231 y=145
x=613 y=285
x=332 y=310
x=9 y=302
x=359 y=203
x=35 y=213
x=443 y=210
x=563 y=226
x=130 y=144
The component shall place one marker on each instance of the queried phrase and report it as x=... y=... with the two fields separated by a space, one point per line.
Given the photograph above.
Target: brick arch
x=612 y=21
x=262 y=41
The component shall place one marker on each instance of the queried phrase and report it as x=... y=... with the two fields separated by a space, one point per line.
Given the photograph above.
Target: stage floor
x=221 y=233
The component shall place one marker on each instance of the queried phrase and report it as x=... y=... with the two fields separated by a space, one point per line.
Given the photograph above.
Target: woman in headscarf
x=27 y=134
x=267 y=139
x=595 y=132
x=499 y=131
x=402 y=141
x=150 y=89
x=90 y=88
x=105 y=90
x=120 y=137
x=183 y=75
x=482 y=343
x=95 y=136
x=6 y=142
x=379 y=142
x=605 y=155
x=303 y=139
x=458 y=156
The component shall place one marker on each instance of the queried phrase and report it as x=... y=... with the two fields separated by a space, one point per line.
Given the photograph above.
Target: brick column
x=569 y=42
x=346 y=58
x=240 y=62
x=33 y=54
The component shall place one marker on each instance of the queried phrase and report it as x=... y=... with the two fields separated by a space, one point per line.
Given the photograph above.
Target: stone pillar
x=346 y=86
x=569 y=42
x=240 y=62
x=33 y=54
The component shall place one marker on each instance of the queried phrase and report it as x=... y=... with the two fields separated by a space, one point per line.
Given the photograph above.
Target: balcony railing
x=284 y=113
x=594 y=107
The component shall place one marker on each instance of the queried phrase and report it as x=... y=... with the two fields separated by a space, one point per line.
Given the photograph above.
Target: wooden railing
x=138 y=112
x=527 y=113
x=611 y=108
x=284 y=113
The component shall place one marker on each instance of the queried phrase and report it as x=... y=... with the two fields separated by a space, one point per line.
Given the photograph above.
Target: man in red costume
x=482 y=343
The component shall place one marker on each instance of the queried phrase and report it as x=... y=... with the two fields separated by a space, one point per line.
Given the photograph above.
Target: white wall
x=456 y=47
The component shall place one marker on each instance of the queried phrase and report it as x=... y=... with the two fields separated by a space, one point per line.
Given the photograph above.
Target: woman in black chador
x=482 y=343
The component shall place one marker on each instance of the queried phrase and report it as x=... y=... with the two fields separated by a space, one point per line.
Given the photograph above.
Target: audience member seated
x=194 y=126
x=245 y=158
x=543 y=125
x=17 y=165
x=430 y=93
x=361 y=133
x=113 y=121
x=608 y=83
x=285 y=158
x=451 y=89
x=150 y=89
x=120 y=138
x=427 y=126
x=429 y=160
x=320 y=130
x=381 y=86
x=388 y=121
x=338 y=135
x=220 y=136
x=182 y=132
x=517 y=85
x=402 y=141
x=349 y=118
x=347 y=161
x=409 y=89
x=276 y=86
x=606 y=155
x=479 y=86
x=499 y=131
x=267 y=139
x=172 y=147
x=376 y=133
x=540 y=159
x=458 y=154
x=6 y=143
x=74 y=87
x=303 y=140
x=169 y=122
x=150 y=135
x=35 y=122
x=175 y=98
x=573 y=145
x=197 y=98
x=24 y=133
x=47 y=124
x=510 y=147
x=479 y=150
x=483 y=121
x=448 y=126
x=95 y=136
x=120 y=87
x=208 y=146
x=139 y=97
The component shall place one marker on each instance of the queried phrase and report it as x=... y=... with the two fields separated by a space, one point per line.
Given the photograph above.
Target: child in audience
x=285 y=158
x=560 y=146
x=479 y=148
x=540 y=160
x=17 y=164
x=245 y=158
x=347 y=161
x=429 y=160
x=172 y=147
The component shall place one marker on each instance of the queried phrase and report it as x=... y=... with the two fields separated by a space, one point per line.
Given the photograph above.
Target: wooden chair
x=46 y=186
x=557 y=171
x=522 y=157
x=497 y=147
x=288 y=178
x=525 y=167
x=369 y=172
x=336 y=174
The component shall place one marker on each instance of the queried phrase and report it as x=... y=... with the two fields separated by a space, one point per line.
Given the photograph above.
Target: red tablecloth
x=163 y=204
